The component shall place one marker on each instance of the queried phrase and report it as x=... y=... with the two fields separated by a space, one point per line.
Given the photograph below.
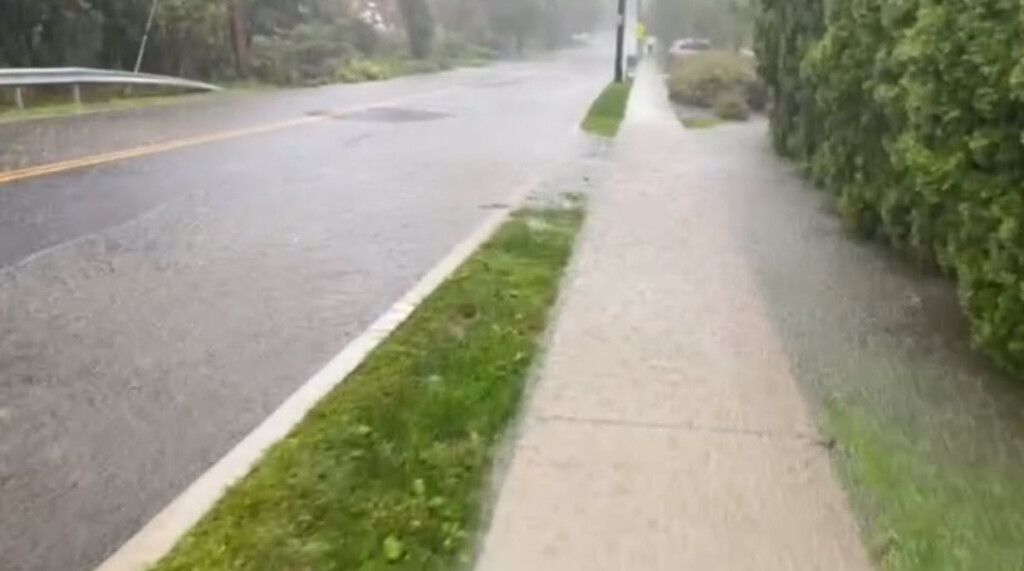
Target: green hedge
x=912 y=112
x=784 y=30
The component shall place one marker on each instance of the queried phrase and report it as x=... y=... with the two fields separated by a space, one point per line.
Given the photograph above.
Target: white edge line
x=162 y=532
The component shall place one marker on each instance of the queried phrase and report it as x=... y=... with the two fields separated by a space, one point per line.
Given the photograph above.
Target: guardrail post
x=19 y=100
x=76 y=93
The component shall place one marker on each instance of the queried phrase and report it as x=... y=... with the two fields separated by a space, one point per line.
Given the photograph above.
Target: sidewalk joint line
x=688 y=426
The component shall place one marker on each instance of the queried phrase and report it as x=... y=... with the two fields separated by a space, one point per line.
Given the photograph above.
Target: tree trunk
x=239 y=35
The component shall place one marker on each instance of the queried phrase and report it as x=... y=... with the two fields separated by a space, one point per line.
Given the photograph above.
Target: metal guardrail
x=75 y=77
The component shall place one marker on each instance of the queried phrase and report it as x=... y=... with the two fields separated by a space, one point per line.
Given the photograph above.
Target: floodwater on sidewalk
x=882 y=349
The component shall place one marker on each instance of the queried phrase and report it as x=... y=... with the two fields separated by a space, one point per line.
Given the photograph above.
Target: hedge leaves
x=912 y=112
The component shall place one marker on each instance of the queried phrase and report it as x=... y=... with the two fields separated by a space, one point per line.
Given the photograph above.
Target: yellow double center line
x=92 y=160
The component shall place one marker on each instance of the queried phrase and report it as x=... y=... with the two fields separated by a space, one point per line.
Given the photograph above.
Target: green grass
x=605 y=115
x=700 y=122
x=922 y=514
x=929 y=438
x=389 y=471
x=60 y=109
x=362 y=71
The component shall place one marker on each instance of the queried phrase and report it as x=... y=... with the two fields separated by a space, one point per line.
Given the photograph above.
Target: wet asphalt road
x=154 y=310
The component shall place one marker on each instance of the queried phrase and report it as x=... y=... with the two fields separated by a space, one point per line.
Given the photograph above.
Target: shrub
x=307 y=54
x=362 y=70
x=910 y=112
x=451 y=47
x=422 y=66
x=698 y=79
x=700 y=122
x=731 y=107
x=452 y=50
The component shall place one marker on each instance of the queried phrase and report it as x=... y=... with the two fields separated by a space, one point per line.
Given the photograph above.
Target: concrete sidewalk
x=666 y=431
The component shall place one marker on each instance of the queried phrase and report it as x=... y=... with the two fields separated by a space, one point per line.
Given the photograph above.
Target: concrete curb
x=161 y=533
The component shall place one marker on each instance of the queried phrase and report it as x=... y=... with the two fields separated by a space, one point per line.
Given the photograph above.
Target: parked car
x=687 y=46
x=582 y=38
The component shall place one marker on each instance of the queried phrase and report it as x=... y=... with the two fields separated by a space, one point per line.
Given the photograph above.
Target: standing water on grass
x=930 y=435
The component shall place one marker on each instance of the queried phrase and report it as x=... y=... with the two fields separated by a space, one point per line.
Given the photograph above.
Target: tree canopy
x=276 y=40
x=727 y=23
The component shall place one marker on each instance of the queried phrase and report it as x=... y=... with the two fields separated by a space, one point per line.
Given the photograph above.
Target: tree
x=582 y=15
x=552 y=21
x=191 y=38
x=515 y=19
x=241 y=39
x=727 y=23
x=465 y=19
x=561 y=19
x=419 y=26
x=48 y=32
x=276 y=40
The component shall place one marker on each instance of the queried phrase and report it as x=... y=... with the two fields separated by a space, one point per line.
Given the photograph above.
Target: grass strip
x=700 y=122
x=390 y=469
x=919 y=513
x=46 y=110
x=607 y=111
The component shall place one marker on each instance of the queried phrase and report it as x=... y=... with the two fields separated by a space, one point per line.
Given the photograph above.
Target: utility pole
x=620 y=39
x=145 y=36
